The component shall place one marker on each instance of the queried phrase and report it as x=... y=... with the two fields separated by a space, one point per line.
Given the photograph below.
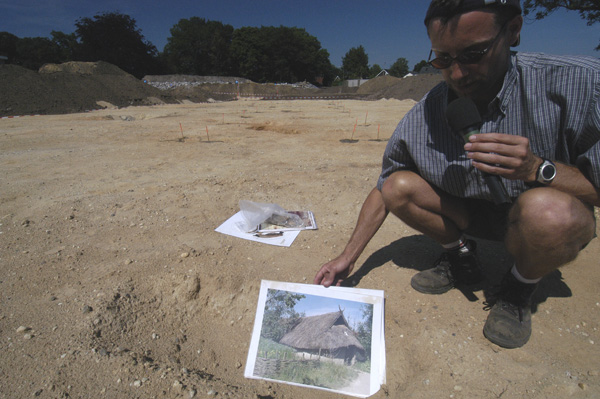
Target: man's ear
x=514 y=29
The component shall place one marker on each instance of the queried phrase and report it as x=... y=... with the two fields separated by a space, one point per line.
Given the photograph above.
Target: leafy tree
x=356 y=63
x=66 y=45
x=588 y=9
x=399 y=68
x=115 y=38
x=279 y=54
x=279 y=315
x=199 y=47
x=374 y=70
x=365 y=328
x=420 y=65
x=30 y=52
x=8 y=45
x=33 y=52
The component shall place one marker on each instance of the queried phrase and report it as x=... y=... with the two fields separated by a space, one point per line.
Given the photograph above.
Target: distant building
x=326 y=335
x=356 y=82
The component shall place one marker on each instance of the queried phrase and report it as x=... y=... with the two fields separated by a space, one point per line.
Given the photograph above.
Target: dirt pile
x=71 y=87
x=84 y=68
x=411 y=87
x=154 y=80
x=82 y=86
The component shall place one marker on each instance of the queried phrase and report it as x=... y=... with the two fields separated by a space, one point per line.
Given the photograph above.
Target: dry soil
x=114 y=283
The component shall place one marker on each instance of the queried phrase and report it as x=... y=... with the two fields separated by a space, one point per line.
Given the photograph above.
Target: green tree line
x=196 y=46
x=201 y=47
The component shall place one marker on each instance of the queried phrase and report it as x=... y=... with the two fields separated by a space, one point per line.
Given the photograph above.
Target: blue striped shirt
x=551 y=100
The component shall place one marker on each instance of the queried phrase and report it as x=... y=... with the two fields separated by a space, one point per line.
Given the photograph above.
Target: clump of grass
x=270 y=349
x=323 y=374
x=326 y=374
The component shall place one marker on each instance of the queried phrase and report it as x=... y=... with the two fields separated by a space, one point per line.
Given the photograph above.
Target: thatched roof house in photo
x=326 y=335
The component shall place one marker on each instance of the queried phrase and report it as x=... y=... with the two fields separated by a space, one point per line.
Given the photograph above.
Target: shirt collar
x=500 y=102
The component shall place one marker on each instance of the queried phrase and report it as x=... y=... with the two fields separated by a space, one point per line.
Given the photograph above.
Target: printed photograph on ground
x=325 y=338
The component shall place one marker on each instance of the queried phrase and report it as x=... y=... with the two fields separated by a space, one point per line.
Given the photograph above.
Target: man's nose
x=457 y=70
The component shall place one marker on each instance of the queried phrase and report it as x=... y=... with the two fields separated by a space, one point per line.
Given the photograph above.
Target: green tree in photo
x=364 y=330
x=279 y=314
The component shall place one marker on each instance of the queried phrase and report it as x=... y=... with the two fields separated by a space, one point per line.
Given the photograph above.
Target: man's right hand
x=372 y=215
x=334 y=272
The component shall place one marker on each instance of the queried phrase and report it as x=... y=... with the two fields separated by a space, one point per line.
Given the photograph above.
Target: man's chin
x=471 y=92
x=468 y=91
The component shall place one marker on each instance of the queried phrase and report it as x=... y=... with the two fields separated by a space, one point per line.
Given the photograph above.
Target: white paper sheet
x=230 y=228
x=319 y=300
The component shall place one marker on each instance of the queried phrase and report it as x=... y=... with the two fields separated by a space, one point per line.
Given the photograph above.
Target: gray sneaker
x=509 y=323
x=452 y=268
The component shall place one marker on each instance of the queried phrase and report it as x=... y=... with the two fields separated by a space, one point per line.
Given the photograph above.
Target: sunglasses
x=468 y=57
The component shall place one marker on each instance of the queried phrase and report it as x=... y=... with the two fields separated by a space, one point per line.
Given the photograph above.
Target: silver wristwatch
x=546 y=172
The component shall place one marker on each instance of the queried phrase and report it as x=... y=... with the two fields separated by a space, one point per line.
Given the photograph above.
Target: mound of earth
x=377 y=84
x=84 y=68
x=193 y=79
x=81 y=86
x=71 y=87
x=410 y=87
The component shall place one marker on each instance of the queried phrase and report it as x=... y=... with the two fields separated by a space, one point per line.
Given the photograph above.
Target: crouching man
x=539 y=134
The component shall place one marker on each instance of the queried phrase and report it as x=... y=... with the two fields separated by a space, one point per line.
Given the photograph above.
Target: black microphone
x=463 y=117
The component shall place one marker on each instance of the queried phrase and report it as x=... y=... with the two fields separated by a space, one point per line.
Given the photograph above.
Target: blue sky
x=386 y=29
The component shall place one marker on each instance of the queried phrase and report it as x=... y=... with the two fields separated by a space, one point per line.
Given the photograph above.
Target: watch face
x=548 y=172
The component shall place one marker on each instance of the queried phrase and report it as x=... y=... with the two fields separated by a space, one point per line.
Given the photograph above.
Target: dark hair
x=445 y=10
x=504 y=10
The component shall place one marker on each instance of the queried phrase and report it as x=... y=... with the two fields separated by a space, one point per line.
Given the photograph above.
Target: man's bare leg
x=547 y=229
x=441 y=217
x=425 y=208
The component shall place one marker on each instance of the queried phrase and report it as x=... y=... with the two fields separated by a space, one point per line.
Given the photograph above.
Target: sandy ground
x=114 y=284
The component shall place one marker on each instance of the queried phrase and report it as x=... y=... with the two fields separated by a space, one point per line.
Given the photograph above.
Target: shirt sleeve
x=589 y=159
x=395 y=157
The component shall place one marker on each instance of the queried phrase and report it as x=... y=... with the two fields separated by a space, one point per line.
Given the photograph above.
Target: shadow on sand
x=419 y=252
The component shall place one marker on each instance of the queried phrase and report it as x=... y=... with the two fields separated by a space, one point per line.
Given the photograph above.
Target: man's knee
x=399 y=188
x=553 y=214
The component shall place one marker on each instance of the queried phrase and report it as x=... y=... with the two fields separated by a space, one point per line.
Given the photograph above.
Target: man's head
x=446 y=9
x=470 y=41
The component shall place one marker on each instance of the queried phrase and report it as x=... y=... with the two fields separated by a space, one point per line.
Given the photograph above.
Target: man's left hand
x=503 y=155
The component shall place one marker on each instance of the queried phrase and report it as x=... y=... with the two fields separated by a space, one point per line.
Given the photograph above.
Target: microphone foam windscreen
x=462 y=113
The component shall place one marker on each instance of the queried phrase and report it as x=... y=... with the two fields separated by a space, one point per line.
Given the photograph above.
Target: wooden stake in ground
x=181 y=128
x=207 y=136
